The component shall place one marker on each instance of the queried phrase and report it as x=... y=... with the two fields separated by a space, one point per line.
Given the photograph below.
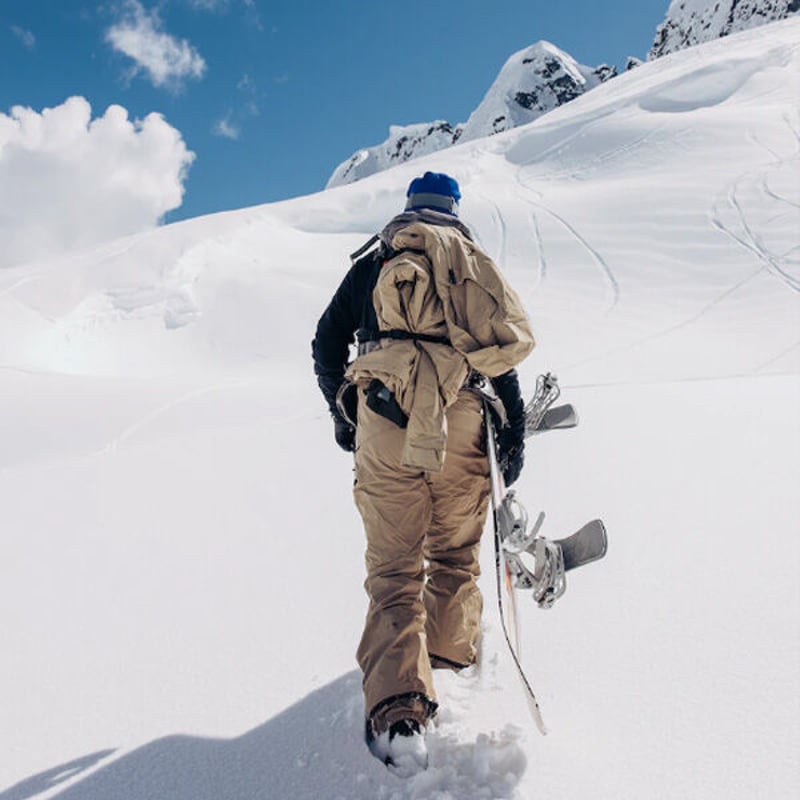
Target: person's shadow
x=312 y=751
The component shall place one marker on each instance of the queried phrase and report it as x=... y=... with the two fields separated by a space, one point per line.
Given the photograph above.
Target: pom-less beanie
x=434 y=190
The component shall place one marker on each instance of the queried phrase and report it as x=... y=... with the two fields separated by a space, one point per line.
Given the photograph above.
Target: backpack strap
x=364 y=247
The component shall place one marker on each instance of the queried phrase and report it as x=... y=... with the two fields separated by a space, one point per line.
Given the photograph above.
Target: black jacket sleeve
x=337 y=327
x=330 y=347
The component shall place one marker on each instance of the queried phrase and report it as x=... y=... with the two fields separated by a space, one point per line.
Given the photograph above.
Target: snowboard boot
x=395 y=733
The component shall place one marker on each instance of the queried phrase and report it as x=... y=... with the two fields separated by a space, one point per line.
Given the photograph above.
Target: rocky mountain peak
x=691 y=22
x=532 y=82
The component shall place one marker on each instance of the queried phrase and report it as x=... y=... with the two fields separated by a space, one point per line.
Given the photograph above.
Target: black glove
x=344 y=433
x=511 y=439
x=511 y=453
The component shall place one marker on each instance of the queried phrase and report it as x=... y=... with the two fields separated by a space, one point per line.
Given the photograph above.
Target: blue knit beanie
x=434 y=190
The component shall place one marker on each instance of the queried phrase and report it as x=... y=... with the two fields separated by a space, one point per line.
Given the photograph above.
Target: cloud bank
x=166 y=60
x=67 y=180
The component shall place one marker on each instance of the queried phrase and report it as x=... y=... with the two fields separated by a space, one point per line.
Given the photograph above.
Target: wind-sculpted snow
x=705 y=87
x=181 y=577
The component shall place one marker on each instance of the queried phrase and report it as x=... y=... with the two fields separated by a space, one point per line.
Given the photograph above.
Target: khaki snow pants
x=423 y=533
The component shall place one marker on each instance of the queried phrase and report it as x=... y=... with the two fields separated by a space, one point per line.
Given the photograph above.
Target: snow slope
x=180 y=582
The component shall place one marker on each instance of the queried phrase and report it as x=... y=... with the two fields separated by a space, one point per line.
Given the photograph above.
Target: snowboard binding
x=544 y=571
x=547 y=392
x=539 y=564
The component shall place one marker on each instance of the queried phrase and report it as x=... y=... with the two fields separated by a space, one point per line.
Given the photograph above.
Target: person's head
x=434 y=190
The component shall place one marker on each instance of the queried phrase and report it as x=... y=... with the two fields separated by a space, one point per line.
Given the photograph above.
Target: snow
x=180 y=583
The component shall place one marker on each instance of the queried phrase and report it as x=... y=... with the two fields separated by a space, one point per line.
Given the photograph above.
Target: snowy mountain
x=532 y=82
x=181 y=570
x=404 y=143
x=690 y=22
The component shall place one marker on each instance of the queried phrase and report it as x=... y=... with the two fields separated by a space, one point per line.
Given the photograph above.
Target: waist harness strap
x=397 y=333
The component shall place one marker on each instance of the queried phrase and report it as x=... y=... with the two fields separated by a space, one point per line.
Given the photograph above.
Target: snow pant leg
x=395 y=505
x=460 y=495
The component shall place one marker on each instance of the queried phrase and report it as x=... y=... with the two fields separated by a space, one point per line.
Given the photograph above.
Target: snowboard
x=514 y=545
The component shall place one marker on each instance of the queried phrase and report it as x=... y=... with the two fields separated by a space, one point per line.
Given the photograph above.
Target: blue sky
x=271 y=96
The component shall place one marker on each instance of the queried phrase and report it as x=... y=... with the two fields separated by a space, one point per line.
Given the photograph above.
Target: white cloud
x=224 y=6
x=166 y=60
x=226 y=128
x=246 y=84
x=26 y=37
x=247 y=88
x=67 y=180
x=209 y=5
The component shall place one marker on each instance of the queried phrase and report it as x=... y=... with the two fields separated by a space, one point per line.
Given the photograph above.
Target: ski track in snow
x=21 y=282
x=9 y=292
x=758 y=182
x=555 y=150
x=612 y=285
x=500 y=226
x=187 y=397
x=148 y=418
x=541 y=258
x=750 y=240
x=579 y=170
x=782 y=354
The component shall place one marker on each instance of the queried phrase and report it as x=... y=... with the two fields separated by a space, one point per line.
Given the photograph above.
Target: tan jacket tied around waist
x=440 y=284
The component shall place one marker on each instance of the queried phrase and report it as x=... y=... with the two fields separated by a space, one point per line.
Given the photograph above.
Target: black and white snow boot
x=395 y=734
x=401 y=747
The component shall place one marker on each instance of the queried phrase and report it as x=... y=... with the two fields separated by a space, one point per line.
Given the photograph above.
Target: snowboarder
x=430 y=313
